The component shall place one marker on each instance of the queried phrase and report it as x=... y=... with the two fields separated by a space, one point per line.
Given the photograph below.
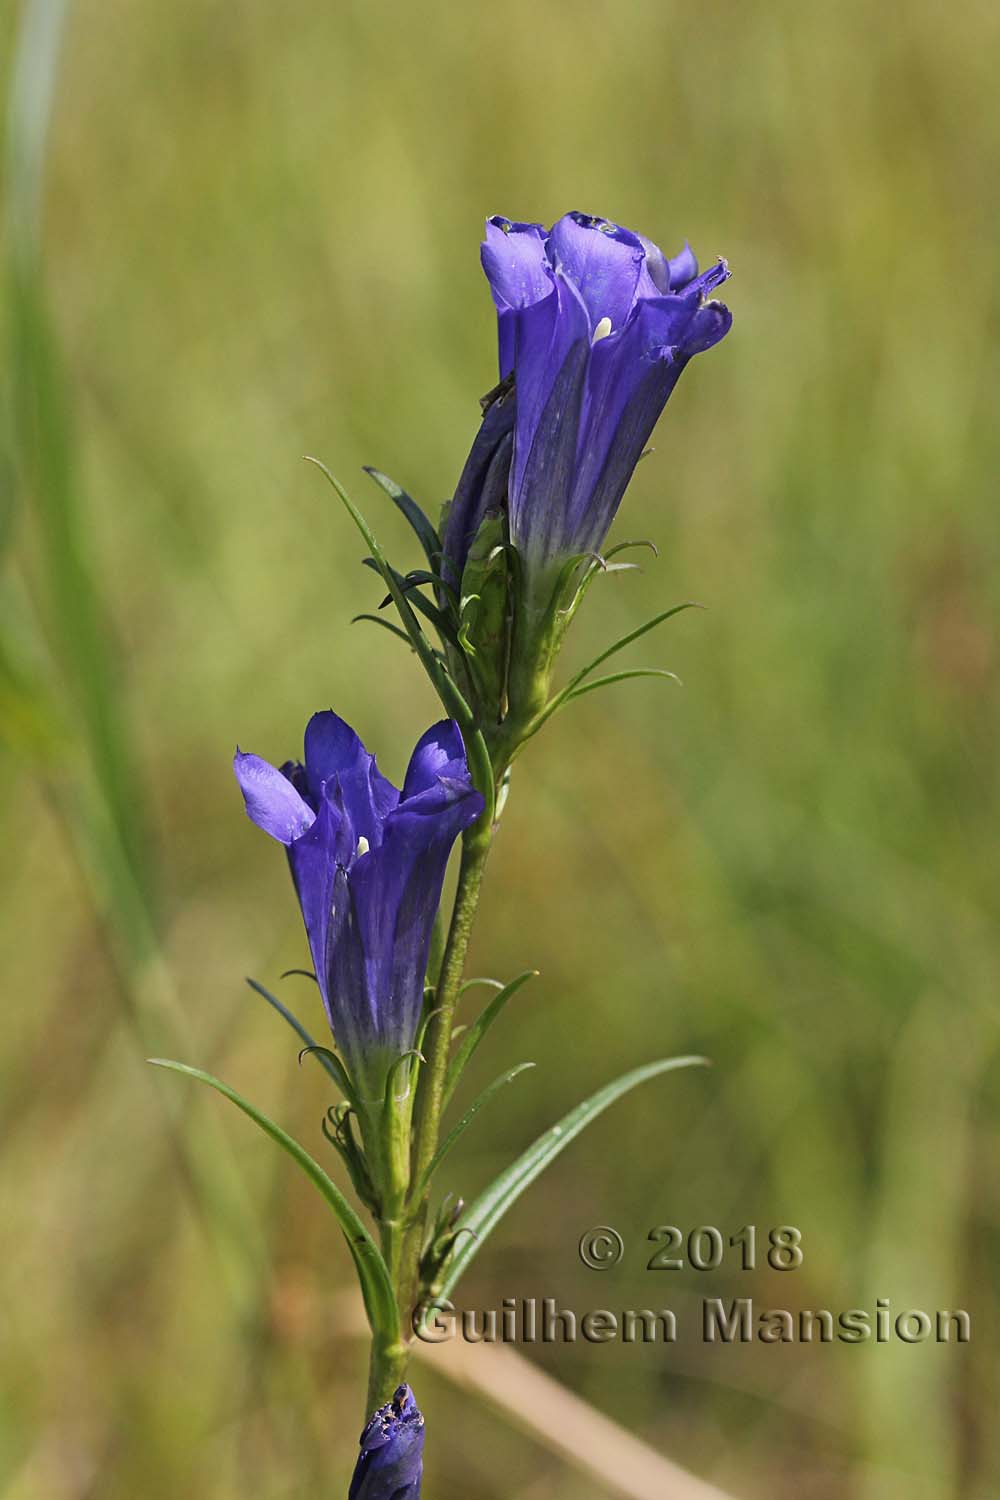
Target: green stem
x=433 y=1074
x=389 y=1135
x=430 y=1097
x=386 y=1368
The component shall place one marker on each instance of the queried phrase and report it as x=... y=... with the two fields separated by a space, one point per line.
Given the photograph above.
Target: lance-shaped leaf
x=458 y=1130
x=482 y=1216
x=427 y=536
x=474 y=1034
x=376 y=1286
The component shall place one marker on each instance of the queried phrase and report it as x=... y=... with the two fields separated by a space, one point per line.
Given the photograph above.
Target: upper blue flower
x=596 y=325
x=392 y=1448
x=368 y=864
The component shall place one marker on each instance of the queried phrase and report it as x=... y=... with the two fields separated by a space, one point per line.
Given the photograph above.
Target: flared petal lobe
x=603 y=263
x=391 y=1466
x=439 y=753
x=630 y=378
x=271 y=800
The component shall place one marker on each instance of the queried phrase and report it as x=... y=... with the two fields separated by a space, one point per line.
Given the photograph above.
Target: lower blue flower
x=368 y=862
x=391 y=1464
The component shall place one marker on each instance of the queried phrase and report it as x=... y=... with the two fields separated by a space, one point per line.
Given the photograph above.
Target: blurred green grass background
x=260 y=239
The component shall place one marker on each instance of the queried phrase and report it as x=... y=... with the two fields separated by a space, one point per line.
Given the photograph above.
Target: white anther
x=602 y=330
x=363 y=847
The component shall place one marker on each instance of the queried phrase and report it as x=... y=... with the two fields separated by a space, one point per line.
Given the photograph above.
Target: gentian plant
x=595 y=326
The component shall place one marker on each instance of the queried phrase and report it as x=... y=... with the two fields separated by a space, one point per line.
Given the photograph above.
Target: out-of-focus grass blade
x=98 y=797
x=43 y=444
x=447 y=690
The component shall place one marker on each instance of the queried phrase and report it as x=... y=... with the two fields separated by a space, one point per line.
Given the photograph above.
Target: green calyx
x=484 y=617
x=543 y=604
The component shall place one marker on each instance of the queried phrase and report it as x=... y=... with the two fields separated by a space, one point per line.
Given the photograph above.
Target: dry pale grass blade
x=565 y=1423
x=555 y=1417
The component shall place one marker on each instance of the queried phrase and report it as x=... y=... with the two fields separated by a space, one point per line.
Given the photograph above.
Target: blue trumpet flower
x=368 y=862
x=595 y=325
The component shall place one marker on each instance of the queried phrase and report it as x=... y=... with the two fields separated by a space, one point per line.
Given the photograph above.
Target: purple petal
x=519 y=274
x=271 y=800
x=513 y=257
x=682 y=268
x=553 y=346
x=708 y=280
x=710 y=324
x=313 y=863
x=631 y=378
x=439 y=752
x=602 y=261
x=654 y=279
x=336 y=756
x=395 y=891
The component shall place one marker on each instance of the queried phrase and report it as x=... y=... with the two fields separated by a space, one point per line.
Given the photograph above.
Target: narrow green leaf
x=480 y=1026
x=454 y=703
x=599 y=682
x=446 y=689
x=602 y=564
x=376 y=1286
x=468 y=984
x=426 y=534
x=410 y=589
x=459 y=1129
x=423 y=576
x=386 y=625
x=624 y=546
x=622 y=677
x=490 y=1206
